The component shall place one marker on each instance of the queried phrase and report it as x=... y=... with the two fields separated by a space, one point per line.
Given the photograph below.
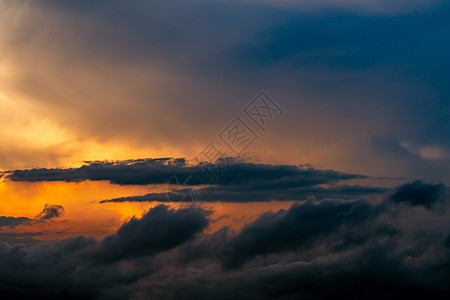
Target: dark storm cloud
x=371 y=273
x=76 y=265
x=9 y=235
x=158 y=230
x=50 y=211
x=313 y=250
x=239 y=181
x=419 y=193
x=299 y=227
x=242 y=194
x=12 y=222
x=142 y=171
x=335 y=223
x=157 y=171
x=25 y=238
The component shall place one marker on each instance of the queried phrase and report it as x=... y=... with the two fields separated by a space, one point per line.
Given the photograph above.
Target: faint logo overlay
x=184 y=188
x=237 y=136
x=5 y=4
x=262 y=110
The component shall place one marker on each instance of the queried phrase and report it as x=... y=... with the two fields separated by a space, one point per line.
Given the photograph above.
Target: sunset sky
x=224 y=149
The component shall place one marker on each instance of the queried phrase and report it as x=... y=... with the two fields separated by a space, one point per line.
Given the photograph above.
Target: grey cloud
x=239 y=181
x=8 y=224
x=419 y=193
x=141 y=171
x=316 y=250
x=312 y=250
x=243 y=195
x=12 y=222
x=161 y=170
x=22 y=238
x=50 y=211
x=158 y=230
x=84 y=268
x=299 y=227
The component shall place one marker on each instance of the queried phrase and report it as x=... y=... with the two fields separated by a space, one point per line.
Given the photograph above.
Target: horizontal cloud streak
x=238 y=181
x=12 y=222
x=161 y=170
x=243 y=195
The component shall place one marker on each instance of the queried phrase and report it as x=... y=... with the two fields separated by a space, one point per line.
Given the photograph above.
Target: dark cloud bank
x=236 y=180
x=393 y=248
x=161 y=170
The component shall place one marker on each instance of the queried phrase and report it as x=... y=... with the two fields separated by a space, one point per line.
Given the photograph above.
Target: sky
x=245 y=149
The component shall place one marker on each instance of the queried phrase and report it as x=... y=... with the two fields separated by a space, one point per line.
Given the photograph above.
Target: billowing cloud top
x=315 y=249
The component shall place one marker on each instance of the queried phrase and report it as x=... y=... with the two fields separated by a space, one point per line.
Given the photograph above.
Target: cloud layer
x=317 y=249
x=161 y=170
x=228 y=180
